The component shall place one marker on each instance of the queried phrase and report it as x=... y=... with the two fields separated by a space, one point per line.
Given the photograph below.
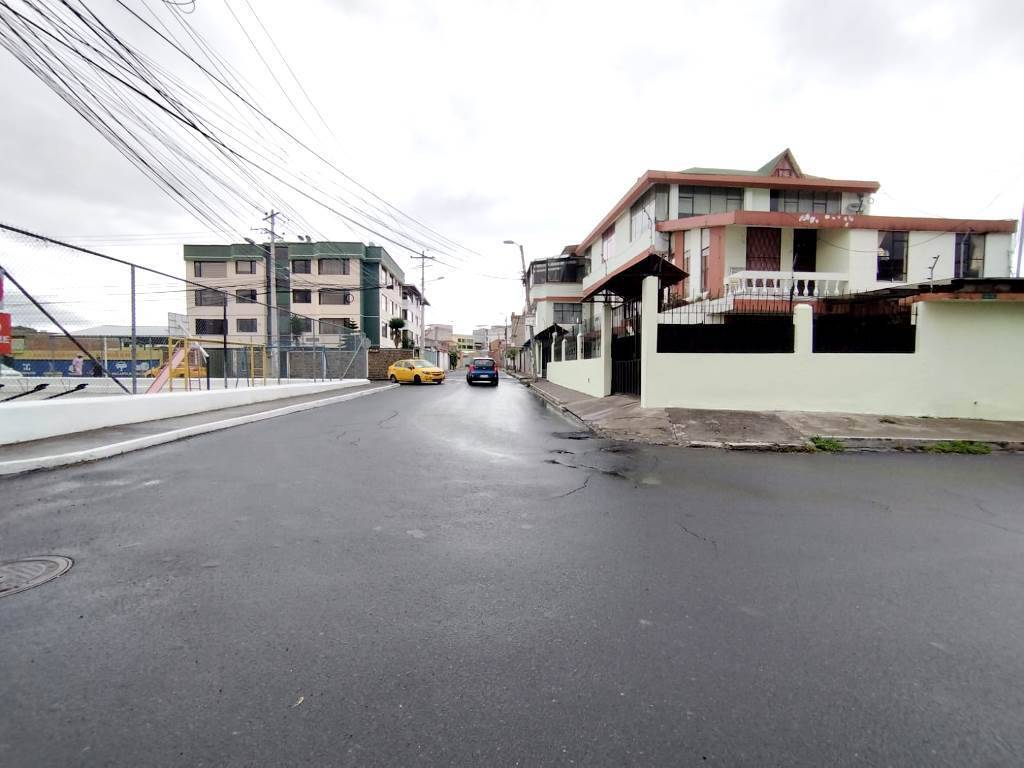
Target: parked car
x=414 y=371
x=482 y=370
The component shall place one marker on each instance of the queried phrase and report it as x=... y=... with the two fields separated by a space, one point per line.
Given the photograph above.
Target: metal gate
x=626 y=348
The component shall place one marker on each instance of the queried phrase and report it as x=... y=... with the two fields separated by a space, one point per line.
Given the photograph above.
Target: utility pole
x=526 y=295
x=423 y=295
x=275 y=352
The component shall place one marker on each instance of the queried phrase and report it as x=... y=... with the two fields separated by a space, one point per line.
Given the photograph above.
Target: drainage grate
x=19 y=575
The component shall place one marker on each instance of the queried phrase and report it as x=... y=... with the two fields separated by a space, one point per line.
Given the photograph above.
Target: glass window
x=335 y=296
x=892 y=256
x=210 y=268
x=804 y=201
x=969 y=255
x=245 y=325
x=333 y=266
x=209 y=326
x=705 y=255
x=245 y=267
x=301 y=266
x=608 y=243
x=302 y=297
x=332 y=325
x=245 y=296
x=299 y=324
x=640 y=218
x=700 y=201
x=206 y=297
x=568 y=314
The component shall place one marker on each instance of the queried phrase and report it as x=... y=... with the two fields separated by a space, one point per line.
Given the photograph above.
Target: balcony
x=801 y=285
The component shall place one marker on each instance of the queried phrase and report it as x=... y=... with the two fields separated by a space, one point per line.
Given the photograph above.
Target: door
x=805 y=250
x=626 y=348
x=764 y=249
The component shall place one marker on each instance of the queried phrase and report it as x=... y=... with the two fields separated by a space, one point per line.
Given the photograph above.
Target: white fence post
x=606 y=346
x=803 y=329
x=579 y=346
x=648 y=334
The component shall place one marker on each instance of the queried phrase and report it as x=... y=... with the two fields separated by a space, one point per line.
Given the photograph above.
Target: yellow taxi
x=415 y=371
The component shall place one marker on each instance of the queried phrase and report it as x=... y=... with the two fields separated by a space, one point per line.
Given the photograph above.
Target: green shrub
x=827 y=444
x=959 y=446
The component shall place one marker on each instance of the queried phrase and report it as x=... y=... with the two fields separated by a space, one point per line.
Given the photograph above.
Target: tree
x=396 y=324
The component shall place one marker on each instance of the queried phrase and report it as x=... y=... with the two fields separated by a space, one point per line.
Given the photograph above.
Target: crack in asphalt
x=386 y=419
x=698 y=536
x=586 y=482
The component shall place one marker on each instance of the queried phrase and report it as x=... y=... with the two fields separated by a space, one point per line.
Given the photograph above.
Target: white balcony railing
x=800 y=284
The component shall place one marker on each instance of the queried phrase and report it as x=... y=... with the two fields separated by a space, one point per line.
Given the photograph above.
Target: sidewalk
x=620 y=417
x=102 y=443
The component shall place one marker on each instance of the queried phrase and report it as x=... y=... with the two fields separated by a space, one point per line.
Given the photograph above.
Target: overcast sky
x=528 y=120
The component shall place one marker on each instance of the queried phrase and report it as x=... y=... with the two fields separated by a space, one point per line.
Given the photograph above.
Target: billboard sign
x=5 y=333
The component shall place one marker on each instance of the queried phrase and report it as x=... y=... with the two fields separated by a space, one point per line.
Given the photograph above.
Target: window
x=301 y=266
x=969 y=256
x=568 y=314
x=300 y=324
x=332 y=325
x=206 y=297
x=705 y=257
x=335 y=296
x=302 y=297
x=803 y=201
x=210 y=269
x=539 y=272
x=608 y=243
x=332 y=266
x=245 y=295
x=700 y=201
x=209 y=327
x=383 y=330
x=640 y=217
x=245 y=267
x=587 y=255
x=405 y=314
x=892 y=256
x=245 y=325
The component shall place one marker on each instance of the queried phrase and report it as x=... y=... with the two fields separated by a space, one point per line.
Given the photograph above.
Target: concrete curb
x=20 y=466
x=561 y=408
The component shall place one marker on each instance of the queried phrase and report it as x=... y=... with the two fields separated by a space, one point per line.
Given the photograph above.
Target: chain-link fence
x=88 y=323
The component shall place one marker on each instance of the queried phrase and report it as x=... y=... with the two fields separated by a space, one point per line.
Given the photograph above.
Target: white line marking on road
x=136 y=444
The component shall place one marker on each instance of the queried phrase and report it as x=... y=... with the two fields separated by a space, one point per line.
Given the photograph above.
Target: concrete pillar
x=579 y=346
x=803 y=329
x=565 y=343
x=648 y=337
x=606 y=347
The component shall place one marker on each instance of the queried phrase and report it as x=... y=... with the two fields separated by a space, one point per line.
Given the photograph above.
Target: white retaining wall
x=586 y=376
x=20 y=422
x=969 y=363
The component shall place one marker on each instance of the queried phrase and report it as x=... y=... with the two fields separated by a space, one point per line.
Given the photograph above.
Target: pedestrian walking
x=76 y=365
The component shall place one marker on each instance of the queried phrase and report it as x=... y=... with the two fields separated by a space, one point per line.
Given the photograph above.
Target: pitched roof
x=765 y=170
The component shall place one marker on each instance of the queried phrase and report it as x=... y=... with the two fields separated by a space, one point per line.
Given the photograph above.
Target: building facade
x=413 y=311
x=325 y=290
x=778 y=228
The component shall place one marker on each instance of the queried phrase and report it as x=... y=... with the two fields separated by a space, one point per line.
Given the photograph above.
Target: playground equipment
x=186 y=360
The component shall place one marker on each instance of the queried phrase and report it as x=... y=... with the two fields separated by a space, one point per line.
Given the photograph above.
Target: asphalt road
x=440 y=576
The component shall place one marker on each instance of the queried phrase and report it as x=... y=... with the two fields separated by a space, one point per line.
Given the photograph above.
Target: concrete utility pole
x=526 y=295
x=275 y=352
x=423 y=299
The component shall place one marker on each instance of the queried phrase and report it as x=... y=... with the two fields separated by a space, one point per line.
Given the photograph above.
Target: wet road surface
x=448 y=576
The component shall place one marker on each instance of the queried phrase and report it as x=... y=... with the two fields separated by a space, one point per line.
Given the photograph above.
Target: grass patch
x=827 y=444
x=959 y=446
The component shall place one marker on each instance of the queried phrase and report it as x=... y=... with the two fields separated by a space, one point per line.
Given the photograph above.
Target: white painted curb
x=137 y=444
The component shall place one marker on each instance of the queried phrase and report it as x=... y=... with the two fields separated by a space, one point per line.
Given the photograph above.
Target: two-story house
x=778 y=229
x=554 y=294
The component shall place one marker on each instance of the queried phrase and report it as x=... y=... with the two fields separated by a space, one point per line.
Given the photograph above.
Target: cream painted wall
x=586 y=376
x=999 y=254
x=969 y=364
x=624 y=251
x=756 y=199
x=832 y=254
x=735 y=250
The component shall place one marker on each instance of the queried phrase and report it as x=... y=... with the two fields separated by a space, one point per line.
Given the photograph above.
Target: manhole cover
x=19 y=575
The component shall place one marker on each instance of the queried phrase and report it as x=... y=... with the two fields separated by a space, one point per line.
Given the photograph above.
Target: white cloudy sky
x=492 y=120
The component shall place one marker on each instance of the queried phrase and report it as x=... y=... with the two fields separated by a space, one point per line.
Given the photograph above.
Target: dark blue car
x=483 y=370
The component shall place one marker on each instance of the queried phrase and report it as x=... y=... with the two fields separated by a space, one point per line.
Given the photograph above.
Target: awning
x=551 y=331
x=627 y=281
